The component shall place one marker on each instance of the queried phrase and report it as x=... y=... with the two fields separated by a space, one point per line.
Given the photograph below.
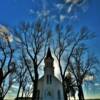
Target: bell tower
x=47 y=83
x=49 y=68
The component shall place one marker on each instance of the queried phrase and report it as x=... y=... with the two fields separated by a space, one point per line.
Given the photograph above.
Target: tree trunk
x=80 y=93
x=1 y=98
x=64 y=91
x=35 y=85
x=74 y=98
x=18 y=91
x=22 y=93
x=1 y=93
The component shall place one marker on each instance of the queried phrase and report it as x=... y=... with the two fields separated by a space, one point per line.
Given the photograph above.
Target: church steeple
x=49 y=54
x=49 y=62
x=49 y=59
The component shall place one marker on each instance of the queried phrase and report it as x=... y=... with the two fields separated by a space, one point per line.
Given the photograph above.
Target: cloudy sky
x=77 y=12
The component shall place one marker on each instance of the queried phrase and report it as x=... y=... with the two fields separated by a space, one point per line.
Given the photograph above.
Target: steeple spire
x=49 y=68
x=49 y=54
x=49 y=59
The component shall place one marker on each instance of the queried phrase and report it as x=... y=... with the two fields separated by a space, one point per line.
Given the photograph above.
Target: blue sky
x=12 y=12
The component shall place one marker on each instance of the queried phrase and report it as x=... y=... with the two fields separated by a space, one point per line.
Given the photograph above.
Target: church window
x=38 y=94
x=49 y=93
x=59 y=95
x=49 y=79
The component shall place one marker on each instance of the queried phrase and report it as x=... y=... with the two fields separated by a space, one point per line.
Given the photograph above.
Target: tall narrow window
x=38 y=94
x=49 y=79
x=59 y=95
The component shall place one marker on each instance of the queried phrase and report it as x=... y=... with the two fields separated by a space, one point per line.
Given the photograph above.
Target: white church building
x=49 y=87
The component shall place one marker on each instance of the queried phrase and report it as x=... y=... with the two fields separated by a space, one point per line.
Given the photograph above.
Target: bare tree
x=7 y=84
x=64 y=44
x=70 y=85
x=82 y=65
x=21 y=73
x=34 y=40
x=7 y=65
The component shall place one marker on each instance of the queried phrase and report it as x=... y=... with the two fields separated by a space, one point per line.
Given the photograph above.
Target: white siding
x=52 y=88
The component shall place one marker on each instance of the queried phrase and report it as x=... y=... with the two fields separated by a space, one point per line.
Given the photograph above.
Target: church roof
x=54 y=78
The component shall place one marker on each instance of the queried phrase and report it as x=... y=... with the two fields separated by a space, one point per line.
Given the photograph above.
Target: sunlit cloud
x=10 y=38
x=56 y=68
x=14 y=87
x=3 y=29
x=17 y=39
x=75 y=1
x=89 y=77
x=97 y=84
x=5 y=33
x=70 y=8
x=62 y=17
x=12 y=93
x=79 y=3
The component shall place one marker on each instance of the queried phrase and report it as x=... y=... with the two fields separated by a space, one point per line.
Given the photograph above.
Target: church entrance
x=49 y=98
x=49 y=95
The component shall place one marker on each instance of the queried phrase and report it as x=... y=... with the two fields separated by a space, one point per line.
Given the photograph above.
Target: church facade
x=49 y=87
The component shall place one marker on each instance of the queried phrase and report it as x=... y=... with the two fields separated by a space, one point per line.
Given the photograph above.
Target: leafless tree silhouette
x=82 y=66
x=34 y=40
x=65 y=43
x=7 y=64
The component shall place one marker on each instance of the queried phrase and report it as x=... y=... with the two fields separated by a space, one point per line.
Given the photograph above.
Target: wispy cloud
x=31 y=11
x=62 y=17
x=59 y=6
x=73 y=3
x=5 y=33
x=97 y=84
x=89 y=77
x=3 y=29
x=70 y=8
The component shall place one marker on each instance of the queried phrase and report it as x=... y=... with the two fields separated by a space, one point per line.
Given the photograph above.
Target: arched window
x=59 y=95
